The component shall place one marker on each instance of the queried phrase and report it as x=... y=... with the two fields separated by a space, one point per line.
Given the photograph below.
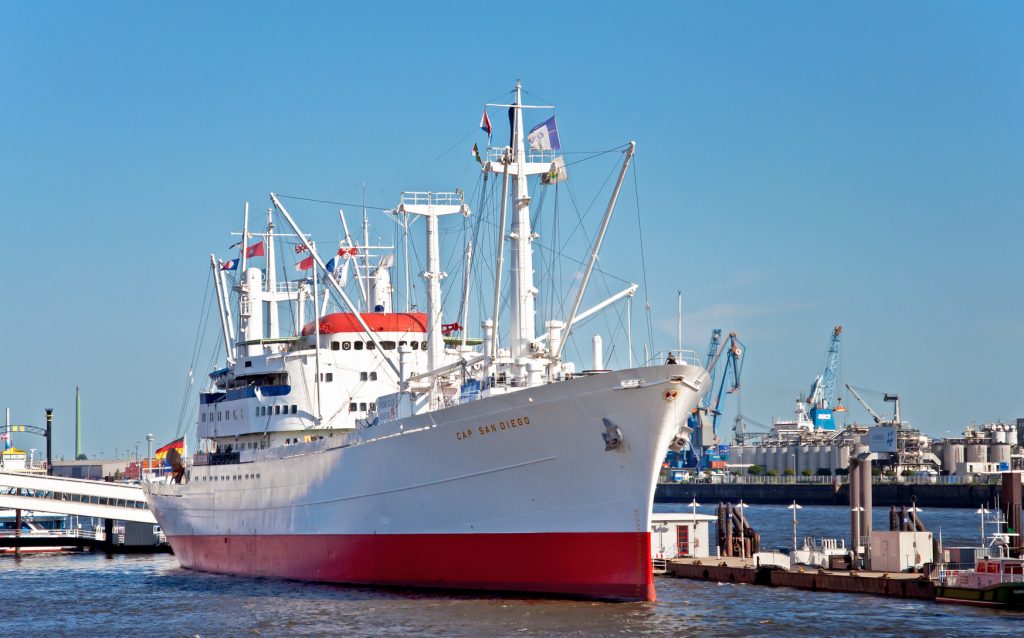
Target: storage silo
x=999 y=453
x=977 y=452
x=952 y=455
x=999 y=434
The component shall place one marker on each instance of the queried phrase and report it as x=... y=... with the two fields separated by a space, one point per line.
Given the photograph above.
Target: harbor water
x=95 y=595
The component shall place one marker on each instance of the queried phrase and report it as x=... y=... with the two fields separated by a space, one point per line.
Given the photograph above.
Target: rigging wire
x=643 y=255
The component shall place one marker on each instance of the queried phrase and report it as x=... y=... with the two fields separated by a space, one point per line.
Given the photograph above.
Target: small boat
x=995 y=581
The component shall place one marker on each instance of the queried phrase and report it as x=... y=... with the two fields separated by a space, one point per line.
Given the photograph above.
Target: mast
x=522 y=330
x=223 y=314
x=272 y=329
x=366 y=253
x=316 y=336
x=431 y=206
x=465 y=292
x=78 y=422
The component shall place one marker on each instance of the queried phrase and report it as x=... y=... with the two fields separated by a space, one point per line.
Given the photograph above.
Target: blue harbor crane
x=823 y=389
x=704 y=448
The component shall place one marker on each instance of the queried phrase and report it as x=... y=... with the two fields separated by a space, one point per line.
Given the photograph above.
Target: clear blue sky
x=800 y=165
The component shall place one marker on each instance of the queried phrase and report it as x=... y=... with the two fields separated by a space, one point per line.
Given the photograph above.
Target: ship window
x=220 y=415
x=277 y=409
x=335 y=345
x=387 y=345
x=346 y=345
x=362 y=407
x=370 y=345
x=415 y=345
x=202 y=417
x=358 y=345
x=423 y=345
x=330 y=377
x=363 y=376
x=248 y=364
x=352 y=407
x=373 y=406
x=402 y=343
x=295 y=409
x=373 y=376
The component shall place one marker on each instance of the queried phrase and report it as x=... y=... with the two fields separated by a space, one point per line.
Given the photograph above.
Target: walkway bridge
x=57 y=495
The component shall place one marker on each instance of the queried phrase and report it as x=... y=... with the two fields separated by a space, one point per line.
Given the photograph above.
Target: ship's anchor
x=612 y=435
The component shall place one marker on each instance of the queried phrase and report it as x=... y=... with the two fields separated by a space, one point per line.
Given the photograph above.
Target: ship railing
x=287 y=286
x=427 y=198
x=689 y=357
x=538 y=155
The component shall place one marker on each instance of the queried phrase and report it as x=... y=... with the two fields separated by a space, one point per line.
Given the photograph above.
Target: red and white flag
x=300 y=248
x=485 y=124
x=305 y=264
x=256 y=250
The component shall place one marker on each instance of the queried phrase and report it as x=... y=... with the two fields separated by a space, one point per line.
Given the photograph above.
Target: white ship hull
x=514 y=492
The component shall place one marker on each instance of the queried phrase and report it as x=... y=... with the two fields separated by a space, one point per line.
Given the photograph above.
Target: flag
x=178 y=445
x=231 y=264
x=305 y=264
x=300 y=248
x=485 y=124
x=332 y=263
x=256 y=250
x=6 y=438
x=476 y=155
x=556 y=173
x=544 y=136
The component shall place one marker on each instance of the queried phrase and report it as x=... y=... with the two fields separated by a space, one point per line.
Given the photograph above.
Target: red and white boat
x=369 y=449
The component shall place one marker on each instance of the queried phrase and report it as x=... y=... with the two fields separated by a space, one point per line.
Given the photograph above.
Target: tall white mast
x=465 y=292
x=272 y=326
x=224 y=320
x=522 y=329
x=431 y=206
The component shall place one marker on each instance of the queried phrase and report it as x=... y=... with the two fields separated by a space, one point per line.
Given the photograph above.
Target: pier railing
x=669 y=476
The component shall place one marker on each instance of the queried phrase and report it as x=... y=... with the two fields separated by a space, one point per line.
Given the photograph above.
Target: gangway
x=80 y=497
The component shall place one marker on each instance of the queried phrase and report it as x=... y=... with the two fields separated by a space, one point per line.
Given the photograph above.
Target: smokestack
x=78 y=423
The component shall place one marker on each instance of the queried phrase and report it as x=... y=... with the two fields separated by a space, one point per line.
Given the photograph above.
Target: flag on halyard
x=332 y=264
x=485 y=124
x=476 y=155
x=305 y=264
x=231 y=264
x=556 y=173
x=178 y=444
x=544 y=136
x=300 y=248
x=256 y=250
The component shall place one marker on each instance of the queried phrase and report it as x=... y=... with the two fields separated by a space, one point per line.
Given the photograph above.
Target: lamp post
x=743 y=524
x=793 y=457
x=794 y=507
x=693 y=506
x=981 y=511
x=149 y=452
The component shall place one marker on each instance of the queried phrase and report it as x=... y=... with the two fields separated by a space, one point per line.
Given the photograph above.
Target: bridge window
x=346 y=345
x=423 y=345
x=370 y=345
x=357 y=345
x=415 y=345
x=352 y=407
x=277 y=409
x=329 y=377
x=295 y=409
x=248 y=364
x=363 y=376
x=402 y=343
x=362 y=407
x=387 y=345
x=373 y=376
x=335 y=345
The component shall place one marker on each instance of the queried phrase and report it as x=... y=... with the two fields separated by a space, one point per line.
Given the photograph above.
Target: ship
x=374 y=448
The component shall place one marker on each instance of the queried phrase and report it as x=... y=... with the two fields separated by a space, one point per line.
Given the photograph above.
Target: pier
x=110 y=502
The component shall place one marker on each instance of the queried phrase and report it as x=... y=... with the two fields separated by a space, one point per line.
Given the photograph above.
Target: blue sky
x=799 y=165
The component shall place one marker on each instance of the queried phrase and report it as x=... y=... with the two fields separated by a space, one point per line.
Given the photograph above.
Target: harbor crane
x=704 y=419
x=889 y=398
x=823 y=389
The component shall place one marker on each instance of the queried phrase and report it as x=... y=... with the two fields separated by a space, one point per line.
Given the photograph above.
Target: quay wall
x=884 y=494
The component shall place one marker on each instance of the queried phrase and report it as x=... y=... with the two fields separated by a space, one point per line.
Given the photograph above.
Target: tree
x=772 y=472
x=824 y=471
x=907 y=472
x=806 y=473
x=842 y=471
x=788 y=471
x=755 y=470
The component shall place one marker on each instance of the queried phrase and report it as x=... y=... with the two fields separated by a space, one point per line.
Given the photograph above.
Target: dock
x=745 y=571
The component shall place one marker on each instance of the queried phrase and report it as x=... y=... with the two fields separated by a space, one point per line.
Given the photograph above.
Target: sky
x=799 y=165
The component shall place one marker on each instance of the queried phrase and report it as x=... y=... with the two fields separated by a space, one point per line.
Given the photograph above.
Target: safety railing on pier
x=672 y=475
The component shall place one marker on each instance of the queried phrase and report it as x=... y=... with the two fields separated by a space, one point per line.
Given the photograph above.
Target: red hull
x=609 y=565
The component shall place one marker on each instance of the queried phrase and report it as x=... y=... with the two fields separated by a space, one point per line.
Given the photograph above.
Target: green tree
x=806 y=473
x=824 y=471
x=755 y=470
x=772 y=472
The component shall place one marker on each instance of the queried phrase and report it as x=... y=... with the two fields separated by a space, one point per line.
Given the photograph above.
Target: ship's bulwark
x=515 y=492
x=594 y=565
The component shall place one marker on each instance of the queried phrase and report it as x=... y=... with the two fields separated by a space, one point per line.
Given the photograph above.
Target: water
x=93 y=595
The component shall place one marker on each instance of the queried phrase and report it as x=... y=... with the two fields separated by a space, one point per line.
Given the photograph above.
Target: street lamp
x=981 y=511
x=149 y=452
x=693 y=506
x=794 y=507
x=793 y=456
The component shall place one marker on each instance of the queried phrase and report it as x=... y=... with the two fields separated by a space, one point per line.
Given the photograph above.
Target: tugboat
x=995 y=581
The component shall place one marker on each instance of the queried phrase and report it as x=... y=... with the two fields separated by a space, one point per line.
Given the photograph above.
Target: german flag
x=178 y=444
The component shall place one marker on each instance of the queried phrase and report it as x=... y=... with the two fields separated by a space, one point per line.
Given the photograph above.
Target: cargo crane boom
x=860 y=399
